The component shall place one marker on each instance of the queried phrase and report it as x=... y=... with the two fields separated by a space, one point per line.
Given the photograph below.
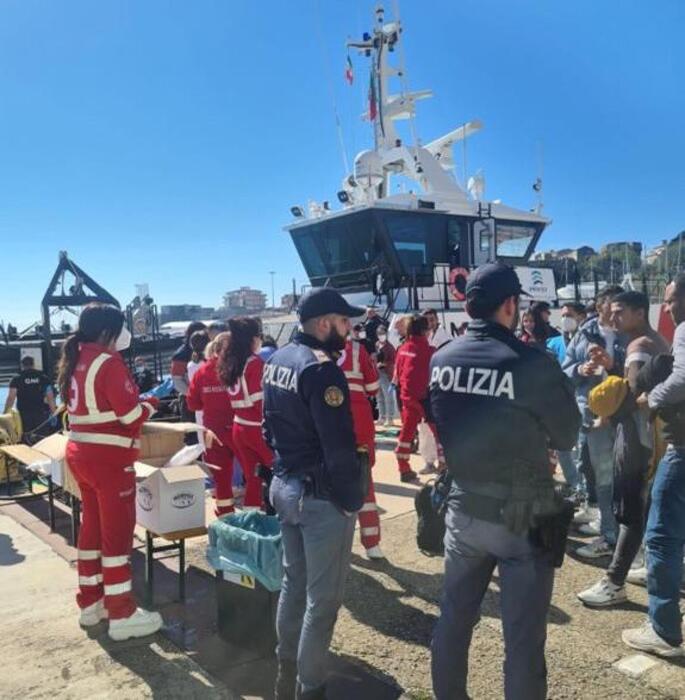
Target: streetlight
x=273 y=296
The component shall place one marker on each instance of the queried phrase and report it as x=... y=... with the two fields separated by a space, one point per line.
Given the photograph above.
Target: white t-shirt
x=439 y=337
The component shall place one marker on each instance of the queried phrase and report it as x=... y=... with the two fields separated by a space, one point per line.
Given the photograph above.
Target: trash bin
x=245 y=550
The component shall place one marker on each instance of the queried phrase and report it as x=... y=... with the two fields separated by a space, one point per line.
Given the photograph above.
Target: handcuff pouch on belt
x=550 y=532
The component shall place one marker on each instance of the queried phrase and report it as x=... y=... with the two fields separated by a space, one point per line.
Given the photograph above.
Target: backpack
x=430 y=504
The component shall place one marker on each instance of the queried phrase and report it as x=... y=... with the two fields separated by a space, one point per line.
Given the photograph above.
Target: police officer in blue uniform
x=499 y=406
x=317 y=488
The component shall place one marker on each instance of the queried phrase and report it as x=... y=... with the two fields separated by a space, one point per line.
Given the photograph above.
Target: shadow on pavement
x=8 y=554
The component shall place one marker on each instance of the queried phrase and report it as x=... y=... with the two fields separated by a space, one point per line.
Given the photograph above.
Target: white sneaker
x=427 y=469
x=603 y=594
x=93 y=614
x=591 y=529
x=140 y=624
x=638 y=576
x=585 y=515
x=375 y=553
x=646 y=639
x=389 y=423
x=596 y=549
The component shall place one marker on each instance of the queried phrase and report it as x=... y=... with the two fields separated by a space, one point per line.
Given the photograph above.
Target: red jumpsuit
x=362 y=379
x=412 y=375
x=105 y=418
x=207 y=394
x=246 y=399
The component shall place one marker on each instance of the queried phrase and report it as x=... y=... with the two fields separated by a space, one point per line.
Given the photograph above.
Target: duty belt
x=484 y=488
x=104 y=439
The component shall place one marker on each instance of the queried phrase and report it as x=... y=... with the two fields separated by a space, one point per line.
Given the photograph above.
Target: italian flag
x=373 y=107
x=349 y=73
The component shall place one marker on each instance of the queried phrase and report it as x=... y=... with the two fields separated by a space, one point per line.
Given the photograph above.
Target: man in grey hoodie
x=594 y=352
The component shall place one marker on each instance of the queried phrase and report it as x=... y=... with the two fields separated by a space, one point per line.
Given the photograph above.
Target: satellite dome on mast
x=368 y=169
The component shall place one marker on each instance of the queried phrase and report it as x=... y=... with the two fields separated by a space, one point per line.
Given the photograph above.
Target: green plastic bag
x=248 y=543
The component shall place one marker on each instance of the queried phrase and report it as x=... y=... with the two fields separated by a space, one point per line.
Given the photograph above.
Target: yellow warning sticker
x=240 y=579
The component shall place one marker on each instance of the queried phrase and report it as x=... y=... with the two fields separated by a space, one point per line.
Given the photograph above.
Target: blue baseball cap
x=325 y=300
x=493 y=283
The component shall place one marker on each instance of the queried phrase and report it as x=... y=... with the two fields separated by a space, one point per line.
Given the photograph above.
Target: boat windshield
x=514 y=240
x=340 y=246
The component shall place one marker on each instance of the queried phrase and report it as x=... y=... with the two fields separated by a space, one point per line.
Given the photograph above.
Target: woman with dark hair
x=411 y=376
x=179 y=373
x=240 y=368
x=207 y=395
x=105 y=420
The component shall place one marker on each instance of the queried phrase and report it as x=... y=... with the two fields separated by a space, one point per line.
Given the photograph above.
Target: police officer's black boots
x=316 y=694
x=286 y=681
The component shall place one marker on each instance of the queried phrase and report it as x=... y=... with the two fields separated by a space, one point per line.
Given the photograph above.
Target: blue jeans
x=473 y=548
x=387 y=409
x=317 y=547
x=600 y=442
x=665 y=540
x=569 y=469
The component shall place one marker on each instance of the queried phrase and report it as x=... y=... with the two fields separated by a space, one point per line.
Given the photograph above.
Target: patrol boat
x=413 y=249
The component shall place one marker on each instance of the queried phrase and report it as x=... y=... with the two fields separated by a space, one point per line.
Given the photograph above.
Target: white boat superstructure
x=413 y=247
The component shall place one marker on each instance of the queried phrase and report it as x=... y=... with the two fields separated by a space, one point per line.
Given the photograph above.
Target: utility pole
x=273 y=295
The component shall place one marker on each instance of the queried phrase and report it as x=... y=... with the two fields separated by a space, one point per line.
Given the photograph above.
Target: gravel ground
x=391 y=607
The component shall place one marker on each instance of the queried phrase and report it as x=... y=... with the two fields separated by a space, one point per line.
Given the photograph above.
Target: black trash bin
x=245 y=550
x=246 y=612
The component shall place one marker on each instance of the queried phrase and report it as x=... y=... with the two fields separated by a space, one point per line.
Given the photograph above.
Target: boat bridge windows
x=353 y=250
x=515 y=240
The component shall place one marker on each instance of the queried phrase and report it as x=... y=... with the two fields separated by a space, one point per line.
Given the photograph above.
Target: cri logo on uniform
x=145 y=498
x=183 y=500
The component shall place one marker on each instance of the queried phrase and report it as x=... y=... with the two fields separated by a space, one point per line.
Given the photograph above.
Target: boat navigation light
x=297 y=212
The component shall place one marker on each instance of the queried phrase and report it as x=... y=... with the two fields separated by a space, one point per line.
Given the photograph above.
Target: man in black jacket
x=499 y=406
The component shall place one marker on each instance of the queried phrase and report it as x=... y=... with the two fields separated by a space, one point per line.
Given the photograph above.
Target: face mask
x=123 y=340
x=382 y=338
x=568 y=324
x=141 y=368
x=362 y=335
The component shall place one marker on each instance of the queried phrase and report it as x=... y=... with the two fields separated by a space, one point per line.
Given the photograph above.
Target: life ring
x=458 y=277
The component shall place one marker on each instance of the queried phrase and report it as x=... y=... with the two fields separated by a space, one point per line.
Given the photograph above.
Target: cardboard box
x=169 y=499
x=48 y=458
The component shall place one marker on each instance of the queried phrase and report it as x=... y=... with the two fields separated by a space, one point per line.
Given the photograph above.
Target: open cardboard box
x=168 y=499
x=48 y=458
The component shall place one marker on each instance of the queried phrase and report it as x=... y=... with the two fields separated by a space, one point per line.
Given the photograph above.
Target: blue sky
x=164 y=142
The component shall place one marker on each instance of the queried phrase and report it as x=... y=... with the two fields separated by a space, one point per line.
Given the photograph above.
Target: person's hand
x=600 y=357
x=587 y=369
x=642 y=399
x=211 y=438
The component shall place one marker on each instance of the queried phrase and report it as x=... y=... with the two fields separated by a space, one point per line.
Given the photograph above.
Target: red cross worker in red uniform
x=105 y=420
x=240 y=368
x=207 y=393
x=411 y=376
x=362 y=379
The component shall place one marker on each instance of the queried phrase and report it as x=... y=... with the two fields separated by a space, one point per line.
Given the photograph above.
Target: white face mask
x=123 y=340
x=568 y=324
x=382 y=338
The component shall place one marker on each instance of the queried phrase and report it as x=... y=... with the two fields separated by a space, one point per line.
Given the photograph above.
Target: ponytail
x=67 y=365
x=233 y=355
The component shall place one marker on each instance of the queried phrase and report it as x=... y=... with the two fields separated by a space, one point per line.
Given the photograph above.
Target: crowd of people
x=498 y=407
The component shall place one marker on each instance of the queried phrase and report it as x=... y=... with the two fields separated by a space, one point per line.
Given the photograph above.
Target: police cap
x=492 y=283
x=324 y=300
